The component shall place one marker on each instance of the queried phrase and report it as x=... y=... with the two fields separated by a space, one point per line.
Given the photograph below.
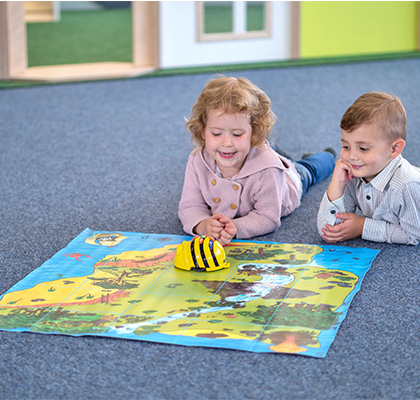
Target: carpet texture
x=111 y=156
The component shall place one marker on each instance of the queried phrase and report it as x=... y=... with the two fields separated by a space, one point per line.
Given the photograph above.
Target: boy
x=372 y=177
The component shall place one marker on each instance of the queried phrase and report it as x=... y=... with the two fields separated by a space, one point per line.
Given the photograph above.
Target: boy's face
x=228 y=140
x=366 y=151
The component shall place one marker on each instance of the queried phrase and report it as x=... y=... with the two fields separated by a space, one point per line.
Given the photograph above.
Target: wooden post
x=14 y=59
x=145 y=16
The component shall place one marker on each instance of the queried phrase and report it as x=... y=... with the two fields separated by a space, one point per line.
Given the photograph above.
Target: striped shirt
x=390 y=204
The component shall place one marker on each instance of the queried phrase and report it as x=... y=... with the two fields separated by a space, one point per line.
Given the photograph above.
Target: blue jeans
x=314 y=168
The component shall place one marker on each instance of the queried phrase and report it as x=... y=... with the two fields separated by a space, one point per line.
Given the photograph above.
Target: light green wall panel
x=337 y=28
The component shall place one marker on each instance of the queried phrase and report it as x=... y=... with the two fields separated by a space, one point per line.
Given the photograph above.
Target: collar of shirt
x=218 y=173
x=381 y=180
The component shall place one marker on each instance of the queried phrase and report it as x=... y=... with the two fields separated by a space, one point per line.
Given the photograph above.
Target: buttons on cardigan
x=368 y=197
x=236 y=187
x=332 y=212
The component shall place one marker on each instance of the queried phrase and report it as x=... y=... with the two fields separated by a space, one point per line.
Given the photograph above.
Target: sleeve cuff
x=331 y=208
x=374 y=230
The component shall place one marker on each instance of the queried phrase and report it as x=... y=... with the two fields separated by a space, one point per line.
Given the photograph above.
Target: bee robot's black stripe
x=194 y=258
x=211 y=245
x=203 y=255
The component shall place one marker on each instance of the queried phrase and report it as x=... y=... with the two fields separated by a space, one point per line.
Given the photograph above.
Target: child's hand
x=351 y=227
x=341 y=176
x=229 y=230
x=219 y=227
x=210 y=227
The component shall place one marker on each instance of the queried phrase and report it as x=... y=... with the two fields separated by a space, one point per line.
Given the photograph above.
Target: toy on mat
x=202 y=253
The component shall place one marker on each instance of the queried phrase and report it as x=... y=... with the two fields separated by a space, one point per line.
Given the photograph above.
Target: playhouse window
x=226 y=20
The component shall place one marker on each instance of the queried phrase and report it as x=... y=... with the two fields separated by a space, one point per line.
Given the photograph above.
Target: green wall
x=337 y=28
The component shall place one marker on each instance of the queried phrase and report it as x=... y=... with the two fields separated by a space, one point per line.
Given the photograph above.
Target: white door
x=223 y=32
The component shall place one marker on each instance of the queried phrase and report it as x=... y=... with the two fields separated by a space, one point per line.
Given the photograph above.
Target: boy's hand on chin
x=341 y=176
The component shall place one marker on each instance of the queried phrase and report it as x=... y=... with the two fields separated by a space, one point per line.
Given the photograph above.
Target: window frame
x=225 y=36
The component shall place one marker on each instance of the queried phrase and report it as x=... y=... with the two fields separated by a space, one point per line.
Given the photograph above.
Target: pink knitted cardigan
x=267 y=188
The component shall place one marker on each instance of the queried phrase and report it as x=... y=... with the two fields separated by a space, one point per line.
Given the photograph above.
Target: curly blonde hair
x=382 y=109
x=232 y=95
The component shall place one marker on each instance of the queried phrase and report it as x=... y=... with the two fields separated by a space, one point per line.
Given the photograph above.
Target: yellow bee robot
x=202 y=253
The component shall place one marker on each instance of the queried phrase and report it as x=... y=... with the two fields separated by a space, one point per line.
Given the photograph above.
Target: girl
x=235 y=184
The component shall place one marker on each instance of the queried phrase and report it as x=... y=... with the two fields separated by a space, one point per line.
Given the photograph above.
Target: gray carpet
x=111 y=156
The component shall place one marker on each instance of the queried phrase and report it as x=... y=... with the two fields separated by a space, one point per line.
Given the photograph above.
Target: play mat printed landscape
x=274 y=298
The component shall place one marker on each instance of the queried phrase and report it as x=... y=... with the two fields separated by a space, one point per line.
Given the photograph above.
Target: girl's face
x=227 y=139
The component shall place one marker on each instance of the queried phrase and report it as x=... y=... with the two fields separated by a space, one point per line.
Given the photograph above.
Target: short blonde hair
x=232 y=95
x=382 y=109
